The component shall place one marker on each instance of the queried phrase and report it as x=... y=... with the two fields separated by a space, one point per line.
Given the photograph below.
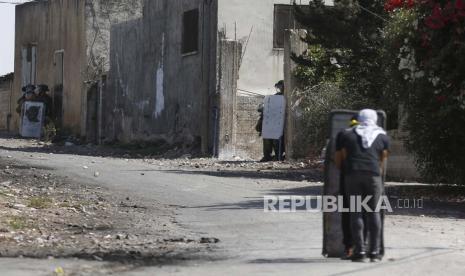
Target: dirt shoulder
x=44 y=215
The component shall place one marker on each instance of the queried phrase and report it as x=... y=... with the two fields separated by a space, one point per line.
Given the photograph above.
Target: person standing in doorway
x=267 y=143
x=270 y=145
x=363 y=152
x=278 y=145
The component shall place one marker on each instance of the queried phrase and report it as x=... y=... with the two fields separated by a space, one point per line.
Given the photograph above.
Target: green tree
x=347 y=49
x=428 y=38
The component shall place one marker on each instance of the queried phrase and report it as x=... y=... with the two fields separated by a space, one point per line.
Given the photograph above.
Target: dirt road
x=211 y=199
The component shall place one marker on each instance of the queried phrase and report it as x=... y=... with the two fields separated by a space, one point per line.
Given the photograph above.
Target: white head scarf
x=368 y=128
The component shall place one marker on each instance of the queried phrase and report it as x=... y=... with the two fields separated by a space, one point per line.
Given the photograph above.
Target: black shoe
x=359 y=258
x=375 y=258
x=348 y=253
x=265 y=159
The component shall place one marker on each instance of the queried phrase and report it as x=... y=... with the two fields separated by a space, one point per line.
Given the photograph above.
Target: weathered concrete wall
x=154 y=91
x=238 y=114
x=296 y=147
x=79 y=28
x=229 y=53
x=100 y=16
x=401 y=164
x=248 y=144
x=6 y=108
x=53 y=26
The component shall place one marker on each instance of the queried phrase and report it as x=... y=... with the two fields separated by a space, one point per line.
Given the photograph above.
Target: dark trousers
x=365 y=184
x=270 y=145
x=278 y=146
x=345 y=219
x=267 y=149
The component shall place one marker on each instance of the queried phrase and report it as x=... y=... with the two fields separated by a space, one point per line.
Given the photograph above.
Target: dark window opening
x=284 y=19
x=28 y=64
x=190 y=33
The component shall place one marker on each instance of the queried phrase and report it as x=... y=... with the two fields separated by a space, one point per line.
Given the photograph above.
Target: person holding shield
x=362 y=152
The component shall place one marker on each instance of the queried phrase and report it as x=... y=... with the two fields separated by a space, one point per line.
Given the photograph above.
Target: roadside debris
x=46 y=216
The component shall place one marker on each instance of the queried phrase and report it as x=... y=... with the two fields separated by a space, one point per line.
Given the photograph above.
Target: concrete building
x=6 y=105
x=158 y=83
x=65 y=44
x=259 y=26
x=194 y=71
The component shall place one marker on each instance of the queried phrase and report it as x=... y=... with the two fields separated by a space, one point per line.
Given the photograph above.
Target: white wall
x=262 y=65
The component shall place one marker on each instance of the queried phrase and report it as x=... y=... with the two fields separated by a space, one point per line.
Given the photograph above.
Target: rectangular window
x=28 y=64
x=283 y=20
x=190 y=32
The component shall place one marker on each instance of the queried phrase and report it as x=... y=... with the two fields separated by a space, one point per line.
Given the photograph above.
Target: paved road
x=252 y=242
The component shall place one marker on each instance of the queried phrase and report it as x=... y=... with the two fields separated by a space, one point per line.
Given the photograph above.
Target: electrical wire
x=371 y=12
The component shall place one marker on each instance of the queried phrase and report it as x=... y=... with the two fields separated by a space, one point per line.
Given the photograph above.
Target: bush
x=343 y=67
x=430 y=42
x=315 y=104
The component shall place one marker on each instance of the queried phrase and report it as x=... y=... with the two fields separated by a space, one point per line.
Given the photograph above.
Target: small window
x=283 y=20
x=190 y=33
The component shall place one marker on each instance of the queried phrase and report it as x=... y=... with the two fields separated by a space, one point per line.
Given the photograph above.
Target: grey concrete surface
x=252 y=242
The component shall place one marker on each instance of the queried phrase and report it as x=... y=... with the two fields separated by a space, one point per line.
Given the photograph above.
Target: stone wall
x=248 y=145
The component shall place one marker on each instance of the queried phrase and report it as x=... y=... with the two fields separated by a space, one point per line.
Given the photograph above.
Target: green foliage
x=317 y=68
x=413 y=53
x=346 y=49
x=437 y=136
x=315 y=104
x=399 y=27
x=430 y=47
x=344 y=67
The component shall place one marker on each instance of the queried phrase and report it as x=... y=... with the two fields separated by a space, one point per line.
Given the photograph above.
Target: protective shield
x=32 y=119
x=273 y=117
x=333 y=245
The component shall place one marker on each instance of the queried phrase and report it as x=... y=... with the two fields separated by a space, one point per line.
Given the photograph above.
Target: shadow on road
x=257 y=203
x=427 y=253
x=297 y=261
x=429 y=207
x=290 y=175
